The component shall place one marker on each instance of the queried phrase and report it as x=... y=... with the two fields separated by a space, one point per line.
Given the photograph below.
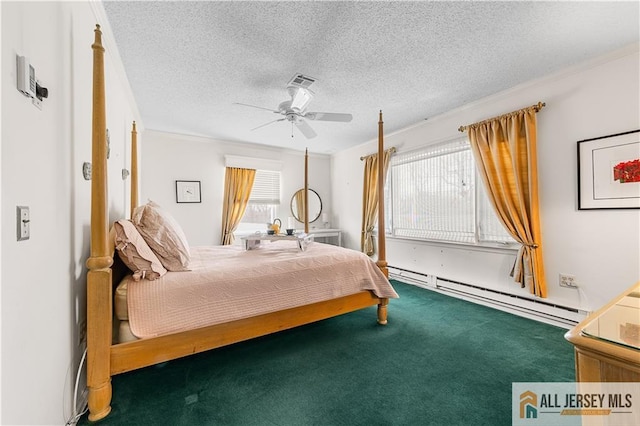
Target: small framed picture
x=609 y=172
x=188 y=191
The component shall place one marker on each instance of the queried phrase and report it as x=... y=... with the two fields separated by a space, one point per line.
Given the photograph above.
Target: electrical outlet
x=569 y=281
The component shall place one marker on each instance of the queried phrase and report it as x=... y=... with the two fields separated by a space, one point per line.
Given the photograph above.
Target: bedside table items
x=291 y=223
x=325 y=220
x=253 y=241
x=274 y=228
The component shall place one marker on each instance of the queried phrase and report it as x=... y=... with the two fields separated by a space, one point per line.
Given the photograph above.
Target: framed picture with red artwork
x=609 y=172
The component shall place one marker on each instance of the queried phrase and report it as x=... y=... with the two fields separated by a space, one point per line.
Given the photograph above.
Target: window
x=435 y=194
x=263 y=202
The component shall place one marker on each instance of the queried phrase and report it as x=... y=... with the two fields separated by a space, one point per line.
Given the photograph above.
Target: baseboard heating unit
x=536 y=309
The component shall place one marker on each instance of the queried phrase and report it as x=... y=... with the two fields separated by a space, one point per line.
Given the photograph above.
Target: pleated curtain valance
x=240 y=162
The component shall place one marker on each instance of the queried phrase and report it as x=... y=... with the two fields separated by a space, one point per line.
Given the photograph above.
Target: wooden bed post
x=306 y=191
x=99 y=305
x=382 y=262
x=382 y=251
x=134 y=168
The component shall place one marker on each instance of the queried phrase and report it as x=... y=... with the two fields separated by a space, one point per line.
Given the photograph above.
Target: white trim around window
x=252 y=163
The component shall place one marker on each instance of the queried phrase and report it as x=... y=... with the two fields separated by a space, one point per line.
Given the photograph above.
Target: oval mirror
x=297 y=205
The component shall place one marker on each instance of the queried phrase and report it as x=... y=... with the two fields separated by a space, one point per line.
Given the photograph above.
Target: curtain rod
x=537 y=107
x=392 y=149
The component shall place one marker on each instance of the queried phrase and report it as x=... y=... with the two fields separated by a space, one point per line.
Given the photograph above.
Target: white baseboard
x=539 y=310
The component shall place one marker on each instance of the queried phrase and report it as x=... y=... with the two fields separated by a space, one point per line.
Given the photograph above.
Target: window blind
x=266 y=188
x=434 y=196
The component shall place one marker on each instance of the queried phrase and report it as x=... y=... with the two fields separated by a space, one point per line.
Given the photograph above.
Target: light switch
x=23 y=222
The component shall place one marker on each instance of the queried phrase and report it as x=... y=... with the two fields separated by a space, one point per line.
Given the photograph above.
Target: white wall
x=43 y=278
x=601 y=248
x=169 y=157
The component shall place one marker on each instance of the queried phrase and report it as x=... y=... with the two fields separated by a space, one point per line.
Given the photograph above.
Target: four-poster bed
x=106 y=358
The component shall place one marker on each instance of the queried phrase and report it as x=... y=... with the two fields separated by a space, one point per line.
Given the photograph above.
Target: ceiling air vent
x=302 y=81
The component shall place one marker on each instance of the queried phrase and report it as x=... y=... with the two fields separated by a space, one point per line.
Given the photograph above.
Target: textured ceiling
x=188 y=62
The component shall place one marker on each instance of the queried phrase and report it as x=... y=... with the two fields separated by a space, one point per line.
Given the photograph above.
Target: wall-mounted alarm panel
x=26 y=76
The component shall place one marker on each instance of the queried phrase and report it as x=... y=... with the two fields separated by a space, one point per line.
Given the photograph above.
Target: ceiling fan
x=295 y=109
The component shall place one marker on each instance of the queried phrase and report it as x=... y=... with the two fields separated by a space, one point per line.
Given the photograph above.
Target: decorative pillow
x=164 y=235
x=135 y=253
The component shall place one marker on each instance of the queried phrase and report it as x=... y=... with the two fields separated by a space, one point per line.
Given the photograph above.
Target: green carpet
x=439 y=361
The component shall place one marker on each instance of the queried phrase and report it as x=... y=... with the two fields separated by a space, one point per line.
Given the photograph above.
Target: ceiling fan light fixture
x=294 y=111
x=300 y=98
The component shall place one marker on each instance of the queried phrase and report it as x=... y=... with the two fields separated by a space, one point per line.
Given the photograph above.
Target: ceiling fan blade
x=329 y=116
x=266 y=124
x=253 y=106
x=305 y=129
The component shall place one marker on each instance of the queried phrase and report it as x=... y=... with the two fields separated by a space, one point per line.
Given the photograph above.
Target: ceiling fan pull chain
x=292 y=129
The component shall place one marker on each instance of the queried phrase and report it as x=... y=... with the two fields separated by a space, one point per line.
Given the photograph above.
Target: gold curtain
x=370 y=200
x=237 y=189
x=505 y=152
x=300 y=205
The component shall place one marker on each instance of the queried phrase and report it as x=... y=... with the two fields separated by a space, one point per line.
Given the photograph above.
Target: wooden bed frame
x=104 y=358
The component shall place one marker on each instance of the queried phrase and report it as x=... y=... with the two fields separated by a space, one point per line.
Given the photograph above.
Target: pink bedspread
x=228 y=283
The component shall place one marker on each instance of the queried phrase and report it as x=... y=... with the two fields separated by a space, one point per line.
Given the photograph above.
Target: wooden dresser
x=607 y=343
